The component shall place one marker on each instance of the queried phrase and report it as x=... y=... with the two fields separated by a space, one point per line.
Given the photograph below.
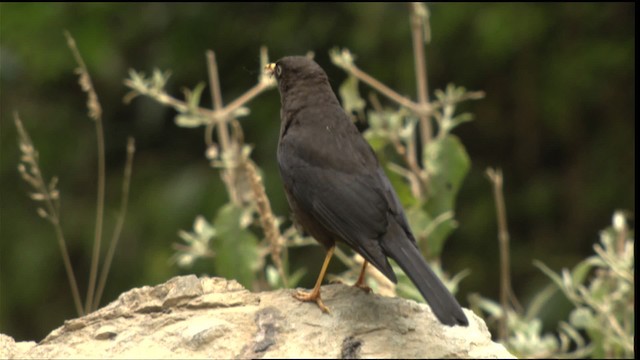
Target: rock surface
x=191 y=317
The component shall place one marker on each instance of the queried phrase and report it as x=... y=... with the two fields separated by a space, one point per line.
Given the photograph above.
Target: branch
x=419 y=21
x=506 y=292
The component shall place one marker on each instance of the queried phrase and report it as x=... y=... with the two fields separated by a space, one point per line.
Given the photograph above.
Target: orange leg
x=360 y=283
x=314 y=295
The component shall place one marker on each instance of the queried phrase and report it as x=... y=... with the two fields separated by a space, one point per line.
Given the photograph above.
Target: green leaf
x=159 y=79
x=491 y=307
x=341 y=58
x=582 y=318
x=447 y=164
x=450 y=124
x=273 y=278
x=190 y=121
x=402 y=188
x=539 y=302
x=192 y=97
x=419 y=220
x=377 y=140
x=351 y=100
x=236 y=248
x=580 y=271
x=557 y=279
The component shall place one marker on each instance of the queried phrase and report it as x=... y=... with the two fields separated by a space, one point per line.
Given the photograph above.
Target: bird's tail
x=442 y=303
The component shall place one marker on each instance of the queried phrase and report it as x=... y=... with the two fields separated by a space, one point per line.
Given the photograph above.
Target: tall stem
x=95 y=113
x=417 y=35
x=126 y=181
x=216 y=97
x=495 y=176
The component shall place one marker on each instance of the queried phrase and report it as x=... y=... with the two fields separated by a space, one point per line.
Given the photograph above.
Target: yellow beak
x=270 y=68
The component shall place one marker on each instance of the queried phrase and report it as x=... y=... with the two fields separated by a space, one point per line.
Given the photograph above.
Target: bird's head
x=297 y=73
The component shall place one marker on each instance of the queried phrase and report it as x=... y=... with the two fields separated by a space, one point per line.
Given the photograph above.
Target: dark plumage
x=338 y=191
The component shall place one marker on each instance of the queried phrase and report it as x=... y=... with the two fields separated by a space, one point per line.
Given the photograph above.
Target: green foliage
x=447 y=163
x=49 y=195
x=385 y=125
x=191 y=118
x=237 y=252
x=197 y=243
x=236 y=247
x=601 y=289
x=351 y=100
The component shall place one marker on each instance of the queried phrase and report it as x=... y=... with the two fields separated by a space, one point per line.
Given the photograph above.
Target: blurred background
x=558 y=118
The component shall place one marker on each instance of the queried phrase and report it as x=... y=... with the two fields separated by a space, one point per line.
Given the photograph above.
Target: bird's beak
x=270 y=68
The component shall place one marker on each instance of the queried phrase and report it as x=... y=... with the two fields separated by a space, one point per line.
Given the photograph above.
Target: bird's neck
x=309 y=95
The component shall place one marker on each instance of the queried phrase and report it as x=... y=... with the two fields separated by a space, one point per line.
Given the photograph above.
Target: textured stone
x=190 y=317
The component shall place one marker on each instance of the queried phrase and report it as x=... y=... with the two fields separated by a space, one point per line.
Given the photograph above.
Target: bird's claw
x=362 y=287
x=312 y=297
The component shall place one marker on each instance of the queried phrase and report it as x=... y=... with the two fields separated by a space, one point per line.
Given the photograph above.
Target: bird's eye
x=278 y=70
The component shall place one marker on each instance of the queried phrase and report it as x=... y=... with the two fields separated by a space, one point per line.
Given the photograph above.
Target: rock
x=190 y=317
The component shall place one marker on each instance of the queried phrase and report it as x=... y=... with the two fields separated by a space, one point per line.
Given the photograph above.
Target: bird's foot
x=312 y=296
x=359 y=284
x=362 y=286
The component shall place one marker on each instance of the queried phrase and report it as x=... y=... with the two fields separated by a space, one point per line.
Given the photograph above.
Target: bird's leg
x=314 y=295
x=360 y=283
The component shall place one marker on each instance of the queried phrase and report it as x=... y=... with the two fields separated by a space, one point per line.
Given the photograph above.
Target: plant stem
x=95 y=113
x=216 y=97
x=267 y=220
x=495 y=176
x=417 y=35
x=126 y=181
x=384 y=89
x=53 y=218
x=95 y=258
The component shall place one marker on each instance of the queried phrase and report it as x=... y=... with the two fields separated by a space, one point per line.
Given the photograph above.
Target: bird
x=338 y=191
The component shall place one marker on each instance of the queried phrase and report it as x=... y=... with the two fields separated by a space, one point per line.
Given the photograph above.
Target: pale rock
x=190 y=317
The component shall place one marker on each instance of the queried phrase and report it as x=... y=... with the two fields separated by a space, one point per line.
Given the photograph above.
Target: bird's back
x=338 y=191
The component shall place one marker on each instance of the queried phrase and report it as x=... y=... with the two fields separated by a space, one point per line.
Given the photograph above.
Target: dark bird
x=337 y=189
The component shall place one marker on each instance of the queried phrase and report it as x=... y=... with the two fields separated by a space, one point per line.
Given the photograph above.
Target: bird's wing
x=350 y=206
x=364 y=211
x=342 y=189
